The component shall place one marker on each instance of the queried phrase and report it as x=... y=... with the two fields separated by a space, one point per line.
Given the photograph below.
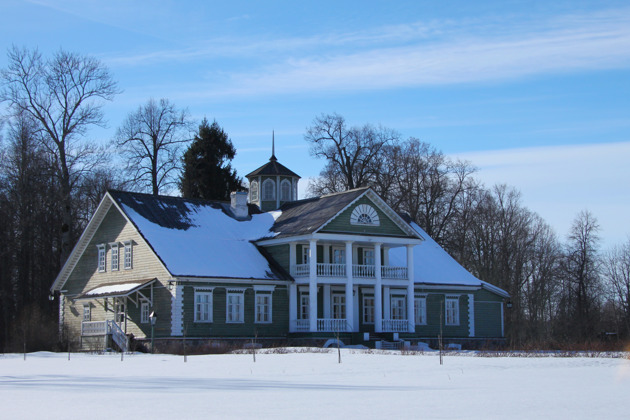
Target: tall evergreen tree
x=207 y=171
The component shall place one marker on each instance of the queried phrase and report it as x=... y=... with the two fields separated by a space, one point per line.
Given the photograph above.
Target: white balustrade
x=332 y=325
x=363 y=271
x=391 y=272
x=94 y=328
x=300 y=270
x=331 y=270
x=395 y=325
x=301 y=324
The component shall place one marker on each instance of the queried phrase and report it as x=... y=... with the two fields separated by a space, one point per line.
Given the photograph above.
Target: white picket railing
x=391 y=272
x=119 y=336
x=331 y=270
x=395 y=325
x=332 y=325
x=94 y=328
x=363 y=271
x=89 y=328
x=359 y=271
x=301 y=325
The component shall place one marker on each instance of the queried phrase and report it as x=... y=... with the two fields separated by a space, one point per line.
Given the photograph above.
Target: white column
x=410 y=290
x=349 y=287
x=378 y=297
x=292 y=307
x=312 y=286
x=292 y=258
x=326 y=250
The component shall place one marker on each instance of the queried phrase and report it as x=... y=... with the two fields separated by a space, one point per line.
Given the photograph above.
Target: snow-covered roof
x=434 y=266
x=116 y=289
x=200 y=239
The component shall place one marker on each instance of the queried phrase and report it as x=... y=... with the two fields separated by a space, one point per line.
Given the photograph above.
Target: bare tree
x=582 y=271
x=152 y=139
x=351 y=152
x=64 y=96
x=616 y=270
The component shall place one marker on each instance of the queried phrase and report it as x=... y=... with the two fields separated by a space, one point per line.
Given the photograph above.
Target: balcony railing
x=395 y=325
x=323 y=325
x=94 y=328
x=358 y=271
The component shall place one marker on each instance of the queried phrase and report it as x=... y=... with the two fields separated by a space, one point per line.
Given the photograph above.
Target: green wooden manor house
x=267 y=266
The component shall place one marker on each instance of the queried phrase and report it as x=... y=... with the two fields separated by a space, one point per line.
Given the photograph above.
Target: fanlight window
x=364 y=214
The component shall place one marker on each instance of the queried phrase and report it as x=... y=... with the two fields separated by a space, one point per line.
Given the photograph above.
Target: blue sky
x=536 y=94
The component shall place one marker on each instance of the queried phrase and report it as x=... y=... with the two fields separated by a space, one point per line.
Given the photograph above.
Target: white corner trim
x=471 y=315
x=177 y=311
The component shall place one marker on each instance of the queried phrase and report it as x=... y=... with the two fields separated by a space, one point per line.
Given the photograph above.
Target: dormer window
x=101 y=257
x=285 y=190
x=268 y=190
x=254 y=191
x=364 y=214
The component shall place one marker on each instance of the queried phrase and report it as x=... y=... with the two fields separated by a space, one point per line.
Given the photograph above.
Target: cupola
x=273 y=184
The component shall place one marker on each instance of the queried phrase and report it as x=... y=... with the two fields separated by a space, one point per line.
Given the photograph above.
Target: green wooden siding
x=220 y=328
x=487 y=319
x=280 y=253
x=341 y=224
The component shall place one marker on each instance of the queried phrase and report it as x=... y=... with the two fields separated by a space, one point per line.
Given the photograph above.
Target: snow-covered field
x=312 y=385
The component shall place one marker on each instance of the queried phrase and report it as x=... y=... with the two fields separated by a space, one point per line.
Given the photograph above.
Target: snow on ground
x=312 y=385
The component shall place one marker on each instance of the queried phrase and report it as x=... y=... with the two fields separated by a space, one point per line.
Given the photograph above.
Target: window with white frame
x=368 y=309
x=235 y=310
x=203 y=305
x=114 y=247
x=87 y=312
x=368 y=257
x=101 y=258
x=304 y=306
x=398 y=310
x=306 y=255
x=144 y=313
x=420 y=310
x=452 y=310
x=285 y=190
x=339 y=255
x=253 y=191
x=268 y=189
x=339 y=306
x=128 y=255
x=120 y=312
x=263 y=307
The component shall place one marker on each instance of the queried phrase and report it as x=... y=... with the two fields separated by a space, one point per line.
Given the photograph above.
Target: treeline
x=563 y=292
x=52 y=179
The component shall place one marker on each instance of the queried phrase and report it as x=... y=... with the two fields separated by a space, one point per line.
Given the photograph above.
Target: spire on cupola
x=273 y=147
x=273 y=184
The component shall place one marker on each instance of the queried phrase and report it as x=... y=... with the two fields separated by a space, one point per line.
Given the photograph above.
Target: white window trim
x=128 y=262
x=456 y=315
x=254 y=191
x=288 y=184
x=87 y=312
x=241 y=307
x=269 y=306
x=210 y=303
x=403 y=312
x=424 y=310
x=102 y=258
x=115 y=257
x=304 y=306
x=306 y=255
x=144 y=314
x=339 y=305
x=365 y=252
x=342 y=252
x=264 y=190
x=367 y=306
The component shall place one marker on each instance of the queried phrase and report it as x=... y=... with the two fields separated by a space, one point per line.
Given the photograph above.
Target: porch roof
x=116 y=289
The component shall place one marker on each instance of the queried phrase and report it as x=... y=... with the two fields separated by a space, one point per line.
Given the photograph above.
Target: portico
x=347 y=285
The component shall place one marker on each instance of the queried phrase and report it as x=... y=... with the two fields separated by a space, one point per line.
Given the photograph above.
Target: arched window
x=364 y=214
x=268 y=189
x=254 y=191
x=285 y=190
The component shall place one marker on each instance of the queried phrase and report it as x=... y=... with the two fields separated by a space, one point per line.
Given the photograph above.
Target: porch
x=345 y=325
x=105 y=329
